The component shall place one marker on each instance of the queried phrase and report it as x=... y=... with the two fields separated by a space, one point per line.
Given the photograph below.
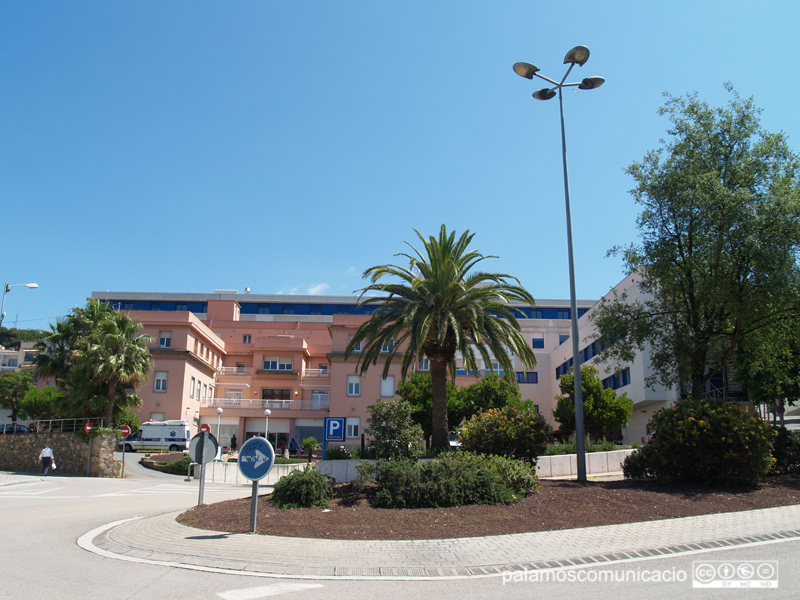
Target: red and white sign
x=125 y=431
x=88 y=428
x=205 y=427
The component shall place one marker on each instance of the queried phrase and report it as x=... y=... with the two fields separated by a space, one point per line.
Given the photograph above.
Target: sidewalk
x=161 y=540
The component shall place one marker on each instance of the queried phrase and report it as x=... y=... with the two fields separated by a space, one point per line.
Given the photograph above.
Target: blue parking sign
x=334 y=429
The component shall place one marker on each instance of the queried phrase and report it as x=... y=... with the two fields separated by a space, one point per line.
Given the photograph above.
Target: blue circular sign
x=256 y=458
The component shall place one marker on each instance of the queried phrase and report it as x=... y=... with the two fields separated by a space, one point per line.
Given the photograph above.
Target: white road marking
x=159 y=489
x=33 y=495
x=266 y=590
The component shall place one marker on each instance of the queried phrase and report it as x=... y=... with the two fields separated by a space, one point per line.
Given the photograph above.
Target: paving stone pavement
x=163 y=540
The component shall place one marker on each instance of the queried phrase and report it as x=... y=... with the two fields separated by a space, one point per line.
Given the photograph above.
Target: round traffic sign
x=205 y=427
x=256 y=458
x=125 y=431
x=88 y=428
x=203 y=448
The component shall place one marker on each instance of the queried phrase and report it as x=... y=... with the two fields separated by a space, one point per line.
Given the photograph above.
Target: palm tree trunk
x=441 y=431
x=112 y=395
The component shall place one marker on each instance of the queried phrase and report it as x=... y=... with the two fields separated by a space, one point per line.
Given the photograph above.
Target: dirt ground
x=560 y=505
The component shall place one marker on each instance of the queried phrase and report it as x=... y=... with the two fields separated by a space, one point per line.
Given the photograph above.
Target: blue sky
x=288 y=146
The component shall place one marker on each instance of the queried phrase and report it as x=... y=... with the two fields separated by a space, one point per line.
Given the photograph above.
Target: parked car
x=13 y=428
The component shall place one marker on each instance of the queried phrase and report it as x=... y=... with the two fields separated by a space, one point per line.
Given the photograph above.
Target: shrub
x=395 y=435
x=708 y=442
x=341 y=453
x=635 y=466
x=515 y=430
x=453 y=479
x=786 y=451
x=178 y=467
x=302 y=489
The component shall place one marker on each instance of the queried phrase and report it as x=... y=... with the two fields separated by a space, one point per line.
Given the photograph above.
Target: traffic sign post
x=333 y=432
x=256 y=458
x=88 y=429
x=202 y=449
x=124 y=431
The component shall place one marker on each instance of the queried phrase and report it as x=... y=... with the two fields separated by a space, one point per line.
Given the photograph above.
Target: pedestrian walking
x=46 y=459
x=233 y=443
x=293 y=447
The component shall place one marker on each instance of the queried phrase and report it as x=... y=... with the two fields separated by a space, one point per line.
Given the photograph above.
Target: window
x=277 y=363
x=127 y=306
x=29 y=357
x=357 y=347
x=164 y=339
x=160 y=381
x=562 y=314
x=181 y=307
x=537 y=341
x=191 y=388
x=276 y=394
x=247 y=338
x=323 y=369
x=353 y=427
x=388 y=346
x=497 y=369
x=156 y=416
x=353 y=385
x=424 y=365
x=155 y=306
x=537 y=313
x=387 y=387
x=562 y=337
x=527 y=377
x=239 y=368
x=233 y=397
x=12 y=362
x=320 y=399
x=205 y=391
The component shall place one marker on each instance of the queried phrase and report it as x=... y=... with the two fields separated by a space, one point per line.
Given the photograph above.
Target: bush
x=395 y=435
x=340 y=453
x=454 y=479
x=515 y=430
x=707 y=442
x=302 y=489
x=177 y=467
x=635 y=466
x=571 y=447
x=786 y=451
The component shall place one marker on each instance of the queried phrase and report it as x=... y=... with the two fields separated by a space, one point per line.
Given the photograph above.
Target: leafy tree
x=13 y=386
x=41 y=403
x=438 y=307
x=13 y=337
x=394 y=433
x=516 y=430
x=604 y=412
x=97 y=355
x=720 y=232
x=417 y=390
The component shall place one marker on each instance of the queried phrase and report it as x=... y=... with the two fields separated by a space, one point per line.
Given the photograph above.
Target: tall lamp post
x=7 y=288
x=577 y=56
x=267 y=413
x=219 y=443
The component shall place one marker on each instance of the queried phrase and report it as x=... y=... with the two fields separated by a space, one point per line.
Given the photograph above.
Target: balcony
x=258 y=404
x=241 y=371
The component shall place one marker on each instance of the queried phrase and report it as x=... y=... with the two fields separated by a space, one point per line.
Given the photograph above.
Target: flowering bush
x=706 y=442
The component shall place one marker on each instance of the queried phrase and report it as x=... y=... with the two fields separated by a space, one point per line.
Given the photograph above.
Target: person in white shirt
x=46 y=458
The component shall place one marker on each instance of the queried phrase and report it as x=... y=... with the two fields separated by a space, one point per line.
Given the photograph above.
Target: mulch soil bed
x=560 y=505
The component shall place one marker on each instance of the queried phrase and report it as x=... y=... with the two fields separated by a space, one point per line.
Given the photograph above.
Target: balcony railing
x=316 y=373
x=259 y=404
x=242 y=371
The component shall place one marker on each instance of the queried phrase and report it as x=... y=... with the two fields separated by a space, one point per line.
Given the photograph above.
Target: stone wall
x=20 y=453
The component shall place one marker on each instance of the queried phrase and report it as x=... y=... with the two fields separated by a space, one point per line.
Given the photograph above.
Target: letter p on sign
x=334 y=429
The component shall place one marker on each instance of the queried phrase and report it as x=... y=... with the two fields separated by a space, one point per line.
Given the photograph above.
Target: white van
x=157 y=436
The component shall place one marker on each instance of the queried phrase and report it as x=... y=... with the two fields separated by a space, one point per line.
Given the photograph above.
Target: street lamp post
x=267 y=413
x=577 y=56
x=7 y=288
x=219 y=443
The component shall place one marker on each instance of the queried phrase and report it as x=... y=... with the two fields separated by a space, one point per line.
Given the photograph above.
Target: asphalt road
x=43 y=517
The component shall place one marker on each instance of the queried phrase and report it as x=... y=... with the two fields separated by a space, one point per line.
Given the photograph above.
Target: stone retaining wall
x=20 y=453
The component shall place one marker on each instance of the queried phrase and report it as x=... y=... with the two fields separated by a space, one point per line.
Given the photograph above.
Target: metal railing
x=241 y=371
x=261 y=404
x=65 y=425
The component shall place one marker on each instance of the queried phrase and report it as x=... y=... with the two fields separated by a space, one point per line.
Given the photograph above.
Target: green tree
x=516 y=430
x=41 y=403
x=438 y=307
x=417 y=390
x=13 y=337
x=720 y=232
x=604 y=412
x=394 y=433
x=491 y=391
x=13 y=386
x=98 y=356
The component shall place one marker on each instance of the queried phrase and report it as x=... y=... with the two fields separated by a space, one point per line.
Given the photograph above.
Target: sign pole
x=202 y=466
x=123 y=459
x=254 y=506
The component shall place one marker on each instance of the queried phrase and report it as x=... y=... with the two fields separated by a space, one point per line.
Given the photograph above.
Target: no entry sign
x=125 y=431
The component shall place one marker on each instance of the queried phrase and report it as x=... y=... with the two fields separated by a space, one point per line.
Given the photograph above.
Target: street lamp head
x=31 y=285
x=219 y=411
x=591 y=83
x=267 y=412
x=578 y=56
x=544 y=94
x=525 y=70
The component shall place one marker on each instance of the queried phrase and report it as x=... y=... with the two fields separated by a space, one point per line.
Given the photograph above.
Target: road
x=43 y=518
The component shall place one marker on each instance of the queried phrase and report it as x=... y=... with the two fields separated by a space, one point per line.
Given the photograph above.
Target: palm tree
x=439 y=309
